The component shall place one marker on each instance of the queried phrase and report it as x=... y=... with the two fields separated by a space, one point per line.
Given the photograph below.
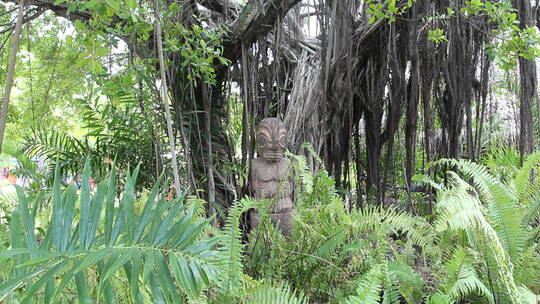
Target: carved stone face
x=271 y=139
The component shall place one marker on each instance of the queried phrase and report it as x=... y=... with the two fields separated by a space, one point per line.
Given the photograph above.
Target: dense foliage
x=412 y=131
x=98 y=243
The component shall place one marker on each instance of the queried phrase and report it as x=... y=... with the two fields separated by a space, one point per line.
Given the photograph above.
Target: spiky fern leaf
x=440 y=298
x=231 y=246
x=522 y=181
x=503 y=162
x=390 y=221
x=415 y=228
x=459 y=208
x=527 y=296
x=405 y=281
x=527 y=268
x=331 y=227
x=527 y=187
x=502 y=208
x=369 y=287
x=462 y=280
x=301 y=170
x=269 y=294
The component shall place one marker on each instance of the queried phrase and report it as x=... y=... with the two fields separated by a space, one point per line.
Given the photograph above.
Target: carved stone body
x=270 y=174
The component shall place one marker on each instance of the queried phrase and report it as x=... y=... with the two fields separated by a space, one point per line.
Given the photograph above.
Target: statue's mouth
x=273 y=155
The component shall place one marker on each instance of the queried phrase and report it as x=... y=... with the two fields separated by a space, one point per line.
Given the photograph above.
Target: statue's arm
x=252 y=183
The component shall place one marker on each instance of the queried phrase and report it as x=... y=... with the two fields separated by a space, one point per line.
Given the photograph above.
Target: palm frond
x=57 y=146
x=160 y=250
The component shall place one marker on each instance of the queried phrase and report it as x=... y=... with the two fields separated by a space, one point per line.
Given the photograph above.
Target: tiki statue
x=270 y=178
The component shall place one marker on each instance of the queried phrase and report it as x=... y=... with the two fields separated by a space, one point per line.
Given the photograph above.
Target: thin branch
x=166 y=101
x=60 y=9
x=10 y=72
x=25 y=19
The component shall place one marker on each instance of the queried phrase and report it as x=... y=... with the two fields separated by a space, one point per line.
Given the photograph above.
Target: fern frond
x=440 y=298
x=231 y=245
x=462 y=279
x=375 y=218
x=527 y=296
x=522 y=181
x=274 y=295
x=503 y=162
x=457 y=209
x=415 y=228
x=502 y=208
x=405 y=281
x=369 y=287
x=527 y=267
x=302 y=170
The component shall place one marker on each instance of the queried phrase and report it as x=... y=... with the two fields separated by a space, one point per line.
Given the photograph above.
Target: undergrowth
x=105 y=245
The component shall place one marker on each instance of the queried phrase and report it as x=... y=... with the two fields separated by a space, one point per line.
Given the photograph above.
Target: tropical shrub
x=96 y=244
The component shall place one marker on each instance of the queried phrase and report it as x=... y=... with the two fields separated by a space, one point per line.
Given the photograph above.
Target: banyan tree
x=344 y=75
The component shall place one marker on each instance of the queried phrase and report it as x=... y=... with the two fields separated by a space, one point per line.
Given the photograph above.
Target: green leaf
x=113 y=4
x=128 y=201
x=147 y=212
x=131 y=4
x=27 y=219
x=118 y=263
x=85 y=205
x=109 y=206
x=82 y=288
x=46 y=278
x=95 y=212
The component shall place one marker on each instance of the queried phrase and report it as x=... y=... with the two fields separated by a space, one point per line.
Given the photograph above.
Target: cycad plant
x=117 y=129
x=98 y=248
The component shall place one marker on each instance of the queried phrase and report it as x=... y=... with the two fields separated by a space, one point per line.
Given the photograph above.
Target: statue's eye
x=263 y=140
x=283 y=140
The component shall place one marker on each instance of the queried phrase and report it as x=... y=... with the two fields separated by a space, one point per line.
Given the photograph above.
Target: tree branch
x=256 y=20
x=27 y=18
x=225 y=7
x=60 y=10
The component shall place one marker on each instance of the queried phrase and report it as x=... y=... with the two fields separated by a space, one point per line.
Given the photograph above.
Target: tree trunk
x=165 y=100
x=527 y=90
x=373 y=151
x=468 y=128
x=211 y=192
x=412 y=105
x=11 y=71
x=527 y=71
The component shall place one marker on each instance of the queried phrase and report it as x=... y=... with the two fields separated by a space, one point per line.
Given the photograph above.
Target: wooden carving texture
x=270 y=178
